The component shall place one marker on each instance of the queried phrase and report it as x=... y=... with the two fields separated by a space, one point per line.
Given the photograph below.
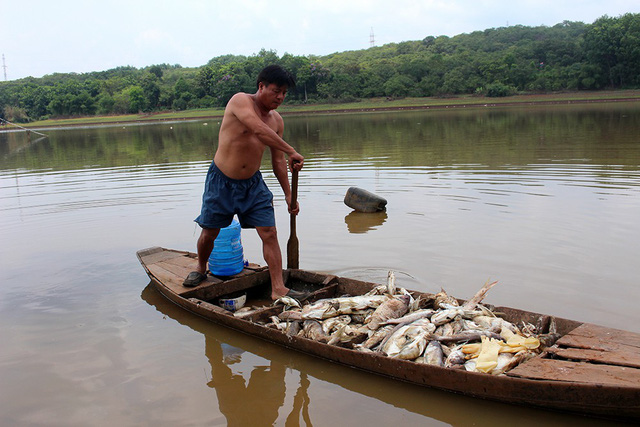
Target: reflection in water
x=255 y=402
x=361 y=222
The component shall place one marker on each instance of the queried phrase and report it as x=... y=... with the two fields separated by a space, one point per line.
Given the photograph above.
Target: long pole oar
x=293 y=260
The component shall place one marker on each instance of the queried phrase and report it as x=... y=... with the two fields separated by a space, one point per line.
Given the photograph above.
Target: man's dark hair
x=276 y=74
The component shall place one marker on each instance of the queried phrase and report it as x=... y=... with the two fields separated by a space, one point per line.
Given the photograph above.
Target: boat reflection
x=361 y=222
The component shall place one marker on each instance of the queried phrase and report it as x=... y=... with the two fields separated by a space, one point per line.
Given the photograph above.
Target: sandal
x=194 y=279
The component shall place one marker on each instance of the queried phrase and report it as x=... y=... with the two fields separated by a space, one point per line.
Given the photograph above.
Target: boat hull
x=601 y=398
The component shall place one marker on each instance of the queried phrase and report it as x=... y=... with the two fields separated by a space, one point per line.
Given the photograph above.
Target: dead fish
x=391 y=283
x=275 y=321
x=415 y=304
x=479 y=296
x=443 y=316
x=293 y=328
x=445 y=330
x=508 y=364
x=378 y=290
x=390 y=309
x=288 y=302
x=443 y=298
x=347 y=334
x=313 y=330
x=290 y=315
x=377 y=336
x=494 y=323
x=467 y=336
x=455 y=358
x=408 y=318
x=326 y=308
x=244 y=312
x=333 y=323
x=547 y=340
x=409 y=341
x=434 y=354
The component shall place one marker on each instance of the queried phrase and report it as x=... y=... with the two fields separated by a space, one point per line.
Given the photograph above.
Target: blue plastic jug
x=227 y=257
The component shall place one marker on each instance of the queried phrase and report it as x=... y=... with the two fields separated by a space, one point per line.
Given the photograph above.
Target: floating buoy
x=363 y=200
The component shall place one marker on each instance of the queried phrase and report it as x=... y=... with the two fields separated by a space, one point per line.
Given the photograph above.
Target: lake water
x=546 y=200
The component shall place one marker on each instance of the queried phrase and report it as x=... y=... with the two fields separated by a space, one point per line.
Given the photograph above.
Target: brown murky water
x=544 y=200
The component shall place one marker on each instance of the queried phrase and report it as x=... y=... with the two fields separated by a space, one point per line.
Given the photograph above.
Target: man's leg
x=273 y=258
x=205 y=247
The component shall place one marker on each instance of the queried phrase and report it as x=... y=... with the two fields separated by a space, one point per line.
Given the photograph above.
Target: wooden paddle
x=292 y=244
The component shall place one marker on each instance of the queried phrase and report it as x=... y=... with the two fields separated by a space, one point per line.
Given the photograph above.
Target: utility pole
x=372 y=40
x=4 y=67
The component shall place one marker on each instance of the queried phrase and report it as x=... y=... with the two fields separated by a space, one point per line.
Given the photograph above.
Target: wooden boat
x=590 y=370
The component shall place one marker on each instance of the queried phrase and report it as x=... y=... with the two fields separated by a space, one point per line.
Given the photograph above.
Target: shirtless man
x=234 y=184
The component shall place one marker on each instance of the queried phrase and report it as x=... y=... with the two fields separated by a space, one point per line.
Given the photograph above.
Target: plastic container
x=233 y=303
x=364 y=201
x=227 y=257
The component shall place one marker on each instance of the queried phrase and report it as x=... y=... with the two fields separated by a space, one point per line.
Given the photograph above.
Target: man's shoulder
x=239 y=101
x=240 y=97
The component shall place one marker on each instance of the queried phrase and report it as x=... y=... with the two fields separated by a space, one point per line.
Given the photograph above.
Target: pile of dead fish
x=440 y=332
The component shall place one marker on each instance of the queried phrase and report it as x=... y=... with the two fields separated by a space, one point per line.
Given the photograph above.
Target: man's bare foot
x=299 y=295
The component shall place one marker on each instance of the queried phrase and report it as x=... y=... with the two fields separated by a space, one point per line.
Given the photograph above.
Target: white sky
x=43 y=37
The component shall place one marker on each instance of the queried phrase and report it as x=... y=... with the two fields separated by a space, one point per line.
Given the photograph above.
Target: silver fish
x=408 y=318
x=377 y=336
x=455 y=358
x=326 y=308
x=443 y=316
x=409 y=341
x=346 y=334
x=331 y=324
x=433 y=354
x=390 y=309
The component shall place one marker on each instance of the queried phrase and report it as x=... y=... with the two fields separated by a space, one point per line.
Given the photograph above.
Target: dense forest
x=495 y=62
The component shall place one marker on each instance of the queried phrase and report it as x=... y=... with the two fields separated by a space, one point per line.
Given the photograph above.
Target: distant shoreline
x=365 y=106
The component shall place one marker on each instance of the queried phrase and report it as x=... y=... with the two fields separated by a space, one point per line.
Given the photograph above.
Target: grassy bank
x=365 y=105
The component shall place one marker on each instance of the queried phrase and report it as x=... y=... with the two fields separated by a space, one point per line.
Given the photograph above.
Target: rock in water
x=363 y=200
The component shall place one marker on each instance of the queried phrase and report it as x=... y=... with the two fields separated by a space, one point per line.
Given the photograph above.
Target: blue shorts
x=224 y=197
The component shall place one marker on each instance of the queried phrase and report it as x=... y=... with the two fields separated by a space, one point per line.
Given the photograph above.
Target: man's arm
x=279 y=164
x=242 y=107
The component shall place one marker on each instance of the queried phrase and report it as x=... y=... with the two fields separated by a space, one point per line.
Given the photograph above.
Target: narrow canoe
x=590 y=370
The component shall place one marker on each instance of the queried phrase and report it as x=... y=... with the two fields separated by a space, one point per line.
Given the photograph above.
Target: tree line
x=494 y=62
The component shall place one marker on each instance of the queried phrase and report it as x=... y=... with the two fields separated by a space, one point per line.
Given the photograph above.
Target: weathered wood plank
x=148 y=251
x=600 y=334
x=178 y=270
x=620 y=358
x=160 y=256
x=174 y=281
x=243 y=281
x=563 y=370
x=183 y=261
x=166 y=277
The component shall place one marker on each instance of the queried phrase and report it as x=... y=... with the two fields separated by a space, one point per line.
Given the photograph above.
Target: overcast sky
x=44 y=37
